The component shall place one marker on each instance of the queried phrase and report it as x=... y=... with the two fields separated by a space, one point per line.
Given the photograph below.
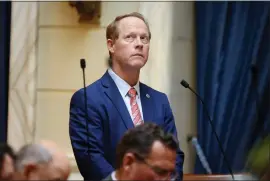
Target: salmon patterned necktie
x=136 y=115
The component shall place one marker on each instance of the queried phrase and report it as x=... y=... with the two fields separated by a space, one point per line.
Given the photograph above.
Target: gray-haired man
x=42 y=161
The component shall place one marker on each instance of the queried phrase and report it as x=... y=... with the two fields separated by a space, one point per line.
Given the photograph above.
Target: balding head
x=60 y=161
x=32 y=154
x=42 y=161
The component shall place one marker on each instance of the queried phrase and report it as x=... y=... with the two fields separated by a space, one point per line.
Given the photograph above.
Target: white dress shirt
x=123 y=88
x=113 y=176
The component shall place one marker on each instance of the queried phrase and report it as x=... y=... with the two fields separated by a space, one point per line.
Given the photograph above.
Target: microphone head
x=184 y=84
x=189 y=137
x=83 y=64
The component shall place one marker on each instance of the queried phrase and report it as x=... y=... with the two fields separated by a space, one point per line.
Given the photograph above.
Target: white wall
x=62 y=41
x=171 y=59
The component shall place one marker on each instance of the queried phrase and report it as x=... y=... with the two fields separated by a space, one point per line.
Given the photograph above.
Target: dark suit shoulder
x=92 y=90
x=152 y=91
x=93 y=87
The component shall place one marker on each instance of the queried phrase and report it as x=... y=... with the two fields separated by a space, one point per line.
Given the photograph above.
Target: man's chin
x=138 y=64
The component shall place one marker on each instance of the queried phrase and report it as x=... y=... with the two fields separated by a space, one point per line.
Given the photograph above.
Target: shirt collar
x=113 y=176
x=122 y=85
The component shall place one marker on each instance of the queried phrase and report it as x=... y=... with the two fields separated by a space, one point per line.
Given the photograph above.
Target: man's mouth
x=138 y=54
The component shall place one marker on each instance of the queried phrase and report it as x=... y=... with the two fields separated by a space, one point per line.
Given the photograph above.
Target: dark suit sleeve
x=92 y=165
x=171 y=128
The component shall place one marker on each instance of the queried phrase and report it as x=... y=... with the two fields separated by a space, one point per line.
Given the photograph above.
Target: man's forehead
x=131 y=22
x=162 y=156
x=158 y=150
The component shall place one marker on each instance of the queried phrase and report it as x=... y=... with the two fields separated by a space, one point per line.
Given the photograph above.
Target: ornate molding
x=23 y=73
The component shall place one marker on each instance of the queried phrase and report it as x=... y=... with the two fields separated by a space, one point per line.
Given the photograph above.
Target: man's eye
x=145 y=39
x=160 y=171
x=130 y=36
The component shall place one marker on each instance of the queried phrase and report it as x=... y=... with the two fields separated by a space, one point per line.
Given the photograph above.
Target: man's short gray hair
x=32 y=153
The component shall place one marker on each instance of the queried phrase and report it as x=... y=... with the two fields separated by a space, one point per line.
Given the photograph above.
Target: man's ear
x=128 y=161
x=110 y=45
x=29 y=169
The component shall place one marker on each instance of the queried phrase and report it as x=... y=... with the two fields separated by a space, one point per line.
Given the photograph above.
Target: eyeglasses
x=132 y=37
x=163 y=173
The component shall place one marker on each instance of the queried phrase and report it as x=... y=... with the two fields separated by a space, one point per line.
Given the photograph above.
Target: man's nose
x=138 y=43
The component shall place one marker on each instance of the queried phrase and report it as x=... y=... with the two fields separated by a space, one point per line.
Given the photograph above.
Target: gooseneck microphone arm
x=186 y=85
x=83 y=65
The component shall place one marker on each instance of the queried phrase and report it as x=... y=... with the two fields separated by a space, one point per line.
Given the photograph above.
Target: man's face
x=160 y=165
x=131 y=49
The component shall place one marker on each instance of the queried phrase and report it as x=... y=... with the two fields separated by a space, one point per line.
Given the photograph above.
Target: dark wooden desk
x=195 y=177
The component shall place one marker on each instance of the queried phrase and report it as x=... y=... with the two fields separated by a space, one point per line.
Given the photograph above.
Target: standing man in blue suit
x=117 y=101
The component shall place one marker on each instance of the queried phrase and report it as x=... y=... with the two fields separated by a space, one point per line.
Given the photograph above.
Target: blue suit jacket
x=108 y=120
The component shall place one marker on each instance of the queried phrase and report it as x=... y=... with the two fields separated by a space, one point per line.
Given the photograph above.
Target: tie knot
x=132 y=92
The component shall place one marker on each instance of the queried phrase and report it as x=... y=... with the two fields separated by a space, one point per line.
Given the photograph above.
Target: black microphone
x=186 y=85
x=83 y=65
x=189 y=138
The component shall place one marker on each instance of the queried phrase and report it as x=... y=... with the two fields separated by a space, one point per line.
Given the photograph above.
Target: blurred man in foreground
x=146 y=153
x=43 y=161
x=7 y=157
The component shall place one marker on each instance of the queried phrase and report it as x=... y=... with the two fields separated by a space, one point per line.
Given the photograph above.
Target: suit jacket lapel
x=114 y=95
x=147 y=103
